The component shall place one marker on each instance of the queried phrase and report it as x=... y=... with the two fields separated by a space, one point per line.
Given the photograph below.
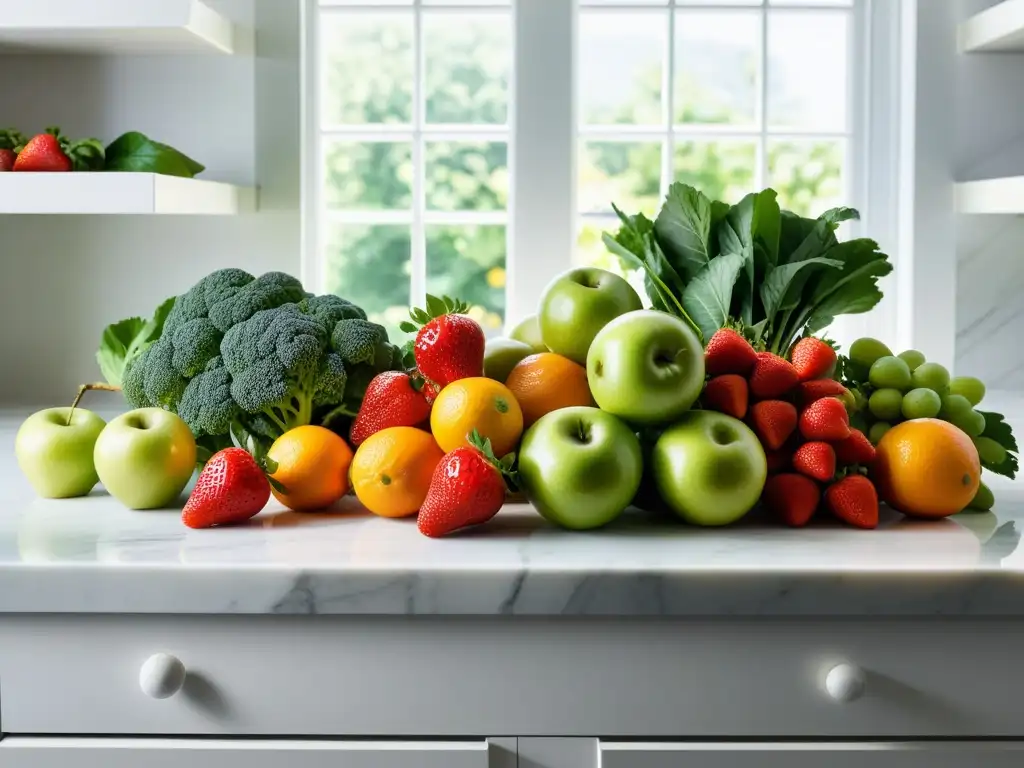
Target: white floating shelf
x=999 y=28
x=115 y=26
x=1005 y=195
x=119 y=193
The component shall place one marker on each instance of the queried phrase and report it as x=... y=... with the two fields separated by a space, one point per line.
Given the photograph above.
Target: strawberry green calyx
x=11 y=138
x=436 y=307
x=503 y=465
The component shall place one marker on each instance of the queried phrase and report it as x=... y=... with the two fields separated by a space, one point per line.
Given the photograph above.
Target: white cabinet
x=779 y=755
x=165 y=753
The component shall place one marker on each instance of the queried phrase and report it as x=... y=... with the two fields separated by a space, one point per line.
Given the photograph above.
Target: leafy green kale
x=769 y=272
x=123 y=342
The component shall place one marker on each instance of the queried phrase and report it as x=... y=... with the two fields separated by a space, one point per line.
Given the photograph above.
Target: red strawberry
x=467 y=488
x=812 y=358
x=778 y=461
x=728 y=352
x=825 y=419
x=230 y=489
x=10 y=140
x=43 y=153
x=856 y=449
x=449 y=346
x=819 y=388
x=854 y=500
x=726 y=394
x=773 y=421
x=391 y=400
x=773 y=376
x=792 y=498
x=816 y=460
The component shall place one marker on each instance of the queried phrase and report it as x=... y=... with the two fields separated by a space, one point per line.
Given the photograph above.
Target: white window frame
x=543 y=136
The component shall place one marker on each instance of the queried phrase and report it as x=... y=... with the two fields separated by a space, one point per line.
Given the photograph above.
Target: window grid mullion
x=762 y=171
x=668 y=99
x=418 y=235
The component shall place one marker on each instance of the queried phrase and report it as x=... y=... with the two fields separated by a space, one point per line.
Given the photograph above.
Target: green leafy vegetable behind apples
x=773 y=274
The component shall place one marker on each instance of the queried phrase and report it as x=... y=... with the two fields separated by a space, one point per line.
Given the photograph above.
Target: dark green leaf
x=707 y=297
x=136 y=152
x=683 y=230
x=778 y=280
x=112 y=354
x=408 y=327
x=751 y=229
x=997 y=429
x=436 y=307
x=852 y=289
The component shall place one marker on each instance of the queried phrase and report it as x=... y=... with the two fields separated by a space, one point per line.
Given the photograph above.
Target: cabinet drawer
x=442 y=678
x=775 y=755
x=157 y=753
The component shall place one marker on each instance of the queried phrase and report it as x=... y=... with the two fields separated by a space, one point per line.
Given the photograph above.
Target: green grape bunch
x=888 y=389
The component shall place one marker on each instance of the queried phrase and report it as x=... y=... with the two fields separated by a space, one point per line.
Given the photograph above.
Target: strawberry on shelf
x=10 y=140
x=49 y=152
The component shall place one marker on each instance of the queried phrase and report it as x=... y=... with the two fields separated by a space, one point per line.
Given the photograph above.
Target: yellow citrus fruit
x=545 y=382
x=481 y=404
x=312 y=465
x=926 y=468
x=392 y=469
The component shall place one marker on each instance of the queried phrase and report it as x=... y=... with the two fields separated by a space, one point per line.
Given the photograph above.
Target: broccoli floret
x=331 y=381
x=330 y=309
x=275 y=359
x=360 y=341
x=206 y=404
x=133 y=383
x=211 y=290
x=195 y=344
x=265 y=292
x=164 y=386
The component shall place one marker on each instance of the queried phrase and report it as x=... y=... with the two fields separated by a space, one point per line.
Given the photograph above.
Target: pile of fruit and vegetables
x=721 y=396
x=52 y=152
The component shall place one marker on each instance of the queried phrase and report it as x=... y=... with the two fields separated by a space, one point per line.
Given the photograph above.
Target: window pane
x=369 y=265
x=807 y=70
x=368 y=175
x=621 y=172
x=806 y=174
x=469 y=262
x=467 y=176
x=717 y=58
x=468 y=62
x=367 y=68
x=620 y=66
x=722 y=170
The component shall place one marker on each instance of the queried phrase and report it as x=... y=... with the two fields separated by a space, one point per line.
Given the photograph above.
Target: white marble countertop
x=91 y=555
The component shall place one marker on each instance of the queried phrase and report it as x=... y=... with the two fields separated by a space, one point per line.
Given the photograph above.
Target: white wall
x=65 y=278
x=989 y=120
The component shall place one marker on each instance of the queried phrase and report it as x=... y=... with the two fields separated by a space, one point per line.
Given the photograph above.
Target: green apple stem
x=97 y=387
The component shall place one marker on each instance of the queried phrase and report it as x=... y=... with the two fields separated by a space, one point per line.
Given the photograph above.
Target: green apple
x=145 y=458
x=502 y=355
x=580 y=467
x=528 y=332
x=55 y=455
x=646 y=367
x=709 y=468
x=578 y=304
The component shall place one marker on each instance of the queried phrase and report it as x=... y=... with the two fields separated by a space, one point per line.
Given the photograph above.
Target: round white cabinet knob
x=845 y=683
x=162 y=676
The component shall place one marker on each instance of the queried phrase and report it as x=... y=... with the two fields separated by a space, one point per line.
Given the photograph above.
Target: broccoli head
x=244 y=359
x=275 y=358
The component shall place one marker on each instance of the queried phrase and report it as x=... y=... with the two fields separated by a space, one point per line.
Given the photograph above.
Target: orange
x=392 y=469
x=312 y=465
x=546 y=382
x=481 y=404
x=926 y=468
